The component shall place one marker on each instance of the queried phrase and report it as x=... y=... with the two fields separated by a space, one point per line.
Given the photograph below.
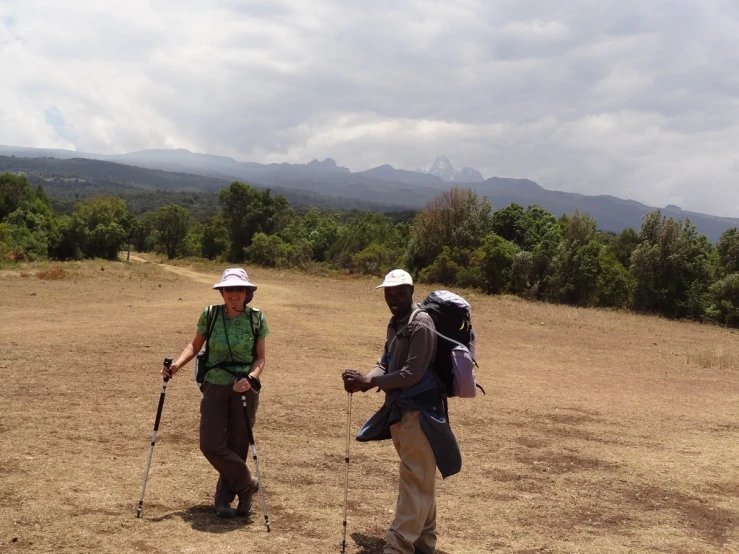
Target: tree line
x=458 y=240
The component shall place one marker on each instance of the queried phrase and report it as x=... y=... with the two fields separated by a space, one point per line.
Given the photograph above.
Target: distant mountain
x=391 y=175
x=444 y=169
x=77 y=178
x=326 y=183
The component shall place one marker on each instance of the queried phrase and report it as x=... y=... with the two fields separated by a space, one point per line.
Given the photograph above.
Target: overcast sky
x=635 y=99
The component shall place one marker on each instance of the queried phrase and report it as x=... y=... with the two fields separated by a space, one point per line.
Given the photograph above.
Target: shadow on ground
x=203 y=518
x=373 y=545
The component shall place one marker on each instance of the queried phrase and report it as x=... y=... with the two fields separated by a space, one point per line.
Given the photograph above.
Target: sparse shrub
x=54 y=273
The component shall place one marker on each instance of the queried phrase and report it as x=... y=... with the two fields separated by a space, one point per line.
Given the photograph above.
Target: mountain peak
x=444 y=169
x=329 y=164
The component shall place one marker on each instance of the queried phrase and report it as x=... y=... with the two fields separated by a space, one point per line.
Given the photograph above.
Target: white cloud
x=638 y=101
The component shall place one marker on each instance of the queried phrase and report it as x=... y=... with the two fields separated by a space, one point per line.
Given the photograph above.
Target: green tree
x=670 y=268
x=575 y=268
x=506 y=222
x=102 y=210
x=623 y=245
x=268 y=250
x=14 y=190
x=143 y=237
x=105 y=241
x=524 y=228
x=494 y=259
x=613 y=283
x=522 y=273
x=214 y=241
x=318 y=230
x=724 y=296
x=457 y=217
x=728 y=252
x=446 y=267
x=172 y=222
x=365 y=230
x=71 y=237
x=247 y=211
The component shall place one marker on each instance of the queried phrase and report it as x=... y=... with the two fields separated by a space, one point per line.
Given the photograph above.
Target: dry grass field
x=601 y=432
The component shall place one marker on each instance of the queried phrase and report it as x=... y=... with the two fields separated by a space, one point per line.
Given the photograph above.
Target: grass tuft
x=714 y=359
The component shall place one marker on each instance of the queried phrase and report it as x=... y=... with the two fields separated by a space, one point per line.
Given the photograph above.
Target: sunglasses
x=234 y=289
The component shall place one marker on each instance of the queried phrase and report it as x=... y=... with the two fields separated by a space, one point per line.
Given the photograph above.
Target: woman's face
x=236 y=297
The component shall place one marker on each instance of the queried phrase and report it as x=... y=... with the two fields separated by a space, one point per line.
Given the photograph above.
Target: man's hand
x=354 y=381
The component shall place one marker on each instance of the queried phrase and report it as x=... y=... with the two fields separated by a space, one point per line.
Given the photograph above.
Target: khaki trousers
x=414 y=526
x=224 y=437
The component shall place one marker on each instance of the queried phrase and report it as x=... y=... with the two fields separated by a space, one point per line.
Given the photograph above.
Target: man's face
x=399 y=299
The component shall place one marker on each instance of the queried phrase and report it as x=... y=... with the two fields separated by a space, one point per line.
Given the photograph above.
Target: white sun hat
x=235 y=277
x=396 y=278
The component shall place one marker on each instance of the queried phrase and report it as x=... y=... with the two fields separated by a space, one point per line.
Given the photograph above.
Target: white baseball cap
x=234 y=277
x=396 y=278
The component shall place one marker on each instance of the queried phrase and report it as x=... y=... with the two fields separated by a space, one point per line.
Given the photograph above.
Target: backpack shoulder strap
x=414 y=313
x=212 y=314
x=256 y=328
x=211 y=323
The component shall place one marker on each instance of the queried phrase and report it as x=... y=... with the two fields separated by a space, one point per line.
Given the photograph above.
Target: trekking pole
x=254 y=455
x=140 y=507
x=346 y=460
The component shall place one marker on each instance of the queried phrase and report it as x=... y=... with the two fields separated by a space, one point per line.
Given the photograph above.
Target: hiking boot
x=224 y=509
x=245 y=496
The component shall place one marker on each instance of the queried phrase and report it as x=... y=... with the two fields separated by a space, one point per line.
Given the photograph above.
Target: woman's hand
x=242 y=385
x=169 y=372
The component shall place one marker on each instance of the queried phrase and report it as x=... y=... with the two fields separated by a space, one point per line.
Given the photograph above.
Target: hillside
x=69 y=180
x=326 y=184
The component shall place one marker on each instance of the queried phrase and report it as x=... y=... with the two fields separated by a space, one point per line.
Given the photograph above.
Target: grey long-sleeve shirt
x=408 y=353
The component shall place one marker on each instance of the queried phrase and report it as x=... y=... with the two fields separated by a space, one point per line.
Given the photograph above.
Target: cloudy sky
x=635 y=99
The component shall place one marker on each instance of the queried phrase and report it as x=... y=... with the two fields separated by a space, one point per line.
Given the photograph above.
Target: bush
x=444 y=270
x=300 y=254
x=522 y=272
x=724 y=297
x=613 y=283
x=268 y=250
x=21 y=244
x=494 y=259
x=376 y=259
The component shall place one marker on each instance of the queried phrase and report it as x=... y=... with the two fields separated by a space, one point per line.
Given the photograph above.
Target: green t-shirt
x=240 y=338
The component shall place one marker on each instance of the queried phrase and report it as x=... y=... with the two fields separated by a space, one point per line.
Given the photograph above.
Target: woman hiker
x=236 y=349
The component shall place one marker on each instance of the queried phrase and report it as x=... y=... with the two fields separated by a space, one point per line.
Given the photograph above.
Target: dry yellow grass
x=600 y=433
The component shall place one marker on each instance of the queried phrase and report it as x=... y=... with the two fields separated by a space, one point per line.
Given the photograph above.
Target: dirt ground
x=601 y=432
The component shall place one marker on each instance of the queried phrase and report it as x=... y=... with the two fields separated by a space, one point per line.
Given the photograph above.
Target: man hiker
x=412 y=415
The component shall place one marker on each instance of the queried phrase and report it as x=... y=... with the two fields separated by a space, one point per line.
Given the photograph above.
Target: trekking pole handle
x=167 y=364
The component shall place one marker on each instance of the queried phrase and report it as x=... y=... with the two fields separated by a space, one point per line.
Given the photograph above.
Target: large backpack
x=201 y=361
x=454 y=364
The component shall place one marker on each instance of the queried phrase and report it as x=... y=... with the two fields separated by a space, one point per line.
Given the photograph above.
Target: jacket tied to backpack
x=411 y=385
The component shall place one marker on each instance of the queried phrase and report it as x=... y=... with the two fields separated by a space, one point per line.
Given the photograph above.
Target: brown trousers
x=224 y=437
x=414 y=526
